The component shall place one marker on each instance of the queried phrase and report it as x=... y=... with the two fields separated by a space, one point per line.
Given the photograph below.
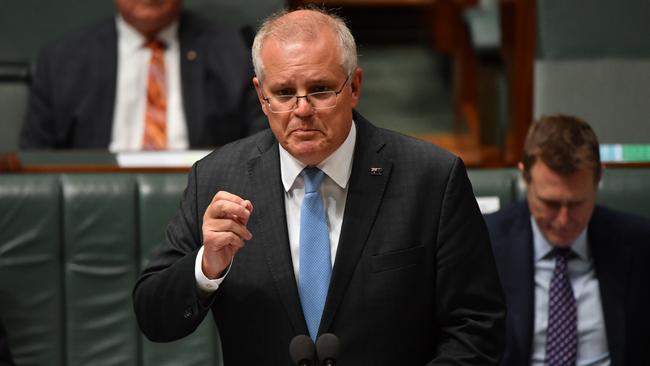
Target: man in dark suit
x=410 y=278
x=90 y=89
x=606 y=266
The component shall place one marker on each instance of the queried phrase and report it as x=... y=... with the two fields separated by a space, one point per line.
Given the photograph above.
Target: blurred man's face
x=149 y=16
x=302 y=67
x=561 y=205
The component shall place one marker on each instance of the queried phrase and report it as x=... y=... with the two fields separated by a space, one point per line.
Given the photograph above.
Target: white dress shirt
x=333 y=190
x=131 y=90
x=592 y=338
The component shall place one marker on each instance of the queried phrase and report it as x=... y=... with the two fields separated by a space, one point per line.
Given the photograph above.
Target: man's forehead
x=308 y=78
x=300 y=63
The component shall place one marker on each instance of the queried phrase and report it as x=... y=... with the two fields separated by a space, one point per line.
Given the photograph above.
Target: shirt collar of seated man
x=561 y=169
x=149 y=17
x=302 y=53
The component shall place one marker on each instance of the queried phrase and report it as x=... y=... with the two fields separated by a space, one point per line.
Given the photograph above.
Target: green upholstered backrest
x=99 y=257
x=626 y=190
x=158 y=201
x=71 y=247
x=32 y=300
x=497 y=185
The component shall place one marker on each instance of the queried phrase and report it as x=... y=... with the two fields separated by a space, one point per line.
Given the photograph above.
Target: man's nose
x=562 y=217
x=303 y=107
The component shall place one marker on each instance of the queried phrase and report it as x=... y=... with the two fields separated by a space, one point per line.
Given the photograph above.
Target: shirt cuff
x=205 y=284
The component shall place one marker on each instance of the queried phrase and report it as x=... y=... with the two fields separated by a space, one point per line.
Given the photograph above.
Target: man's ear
x=260 y=95
x=602 y=171
x=522 y=172
x=599 y=179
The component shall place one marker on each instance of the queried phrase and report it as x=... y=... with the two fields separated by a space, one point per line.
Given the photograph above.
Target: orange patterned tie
x=155 y=126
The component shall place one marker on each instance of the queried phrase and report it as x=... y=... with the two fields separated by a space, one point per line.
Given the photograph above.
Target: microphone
x=327 y=348
x=302 y=351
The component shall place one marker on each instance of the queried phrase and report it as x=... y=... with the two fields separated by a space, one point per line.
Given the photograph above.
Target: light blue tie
x=315 y=258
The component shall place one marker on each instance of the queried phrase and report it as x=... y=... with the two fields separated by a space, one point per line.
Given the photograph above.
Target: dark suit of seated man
x=105 y=86
x=357 y=231
x=588 y=305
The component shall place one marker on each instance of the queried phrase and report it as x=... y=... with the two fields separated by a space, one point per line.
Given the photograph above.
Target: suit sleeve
x=470 y=306
x=166 y=299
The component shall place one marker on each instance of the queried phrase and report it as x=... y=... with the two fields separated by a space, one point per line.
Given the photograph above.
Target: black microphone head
x=302 y=351
x=327 y=348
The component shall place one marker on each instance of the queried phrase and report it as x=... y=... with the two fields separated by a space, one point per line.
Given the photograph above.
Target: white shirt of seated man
x=131 y=89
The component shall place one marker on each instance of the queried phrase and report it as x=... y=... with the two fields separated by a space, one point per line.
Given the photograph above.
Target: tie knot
x=313 y=177
x=154 y=44
x=563 y=254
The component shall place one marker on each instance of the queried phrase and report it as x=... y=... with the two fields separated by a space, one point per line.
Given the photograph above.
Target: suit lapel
x=519 y=280
x=269 y=221
x=365 y=193
x=610 y=270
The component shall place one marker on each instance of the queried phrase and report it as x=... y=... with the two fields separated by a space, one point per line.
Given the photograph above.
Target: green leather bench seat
x=71 y=247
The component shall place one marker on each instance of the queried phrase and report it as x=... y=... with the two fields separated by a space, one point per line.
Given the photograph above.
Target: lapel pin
x=192 y=55
x=376 y=171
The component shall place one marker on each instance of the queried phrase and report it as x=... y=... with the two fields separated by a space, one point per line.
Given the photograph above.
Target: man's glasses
x=318 y=100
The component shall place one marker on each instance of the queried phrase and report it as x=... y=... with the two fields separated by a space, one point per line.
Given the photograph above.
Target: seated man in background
x=152 y=78
x=575 y=274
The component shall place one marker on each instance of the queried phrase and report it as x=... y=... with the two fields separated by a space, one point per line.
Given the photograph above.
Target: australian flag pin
x=376 y=171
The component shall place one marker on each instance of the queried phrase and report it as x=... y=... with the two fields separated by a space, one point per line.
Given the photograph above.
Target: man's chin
x=308 y=153
x=562 y=241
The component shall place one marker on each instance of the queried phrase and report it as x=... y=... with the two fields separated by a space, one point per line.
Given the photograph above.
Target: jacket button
x=188 y=313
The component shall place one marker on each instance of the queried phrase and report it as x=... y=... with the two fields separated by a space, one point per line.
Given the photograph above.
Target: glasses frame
x=306 y=96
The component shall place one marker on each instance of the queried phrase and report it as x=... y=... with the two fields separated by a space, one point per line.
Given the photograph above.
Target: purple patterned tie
x=562 y=332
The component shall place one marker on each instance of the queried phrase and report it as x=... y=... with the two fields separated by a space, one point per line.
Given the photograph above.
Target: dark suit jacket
x=414 y=281
x=74 y=84
x=620 y=245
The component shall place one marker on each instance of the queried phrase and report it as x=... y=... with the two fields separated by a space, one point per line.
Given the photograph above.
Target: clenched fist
x=224 y=231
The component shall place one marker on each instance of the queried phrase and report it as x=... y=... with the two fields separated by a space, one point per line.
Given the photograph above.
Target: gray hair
x=306 y=28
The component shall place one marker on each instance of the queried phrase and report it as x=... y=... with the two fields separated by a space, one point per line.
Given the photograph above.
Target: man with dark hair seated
x=154 y=78
x=575 y=274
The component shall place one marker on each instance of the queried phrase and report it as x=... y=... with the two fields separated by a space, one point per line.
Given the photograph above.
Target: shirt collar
x=337 y=166
x=543 y=247
x=134 y=40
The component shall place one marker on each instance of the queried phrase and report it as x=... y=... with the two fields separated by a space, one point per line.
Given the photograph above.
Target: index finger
x=224 y=195
x=228 y=205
